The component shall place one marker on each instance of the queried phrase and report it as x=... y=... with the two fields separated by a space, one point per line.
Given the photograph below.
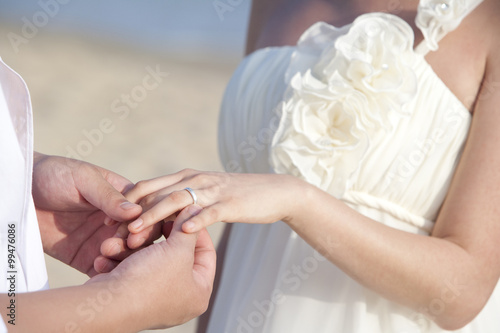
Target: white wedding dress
x=359 y=113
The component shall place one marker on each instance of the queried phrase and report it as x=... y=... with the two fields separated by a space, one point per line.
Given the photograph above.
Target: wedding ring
x=193 y=195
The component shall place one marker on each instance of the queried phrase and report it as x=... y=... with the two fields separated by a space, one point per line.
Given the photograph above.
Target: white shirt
x=17 y=211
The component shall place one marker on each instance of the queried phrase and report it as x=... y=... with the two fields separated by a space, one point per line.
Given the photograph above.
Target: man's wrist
x=125 y=299
x=112 y=302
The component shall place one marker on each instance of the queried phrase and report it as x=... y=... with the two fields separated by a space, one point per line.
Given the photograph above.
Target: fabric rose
x=345 y=85
x=438 y=17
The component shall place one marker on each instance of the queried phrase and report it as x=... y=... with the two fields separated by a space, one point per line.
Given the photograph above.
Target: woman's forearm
x=420 y=272
x=417 y=271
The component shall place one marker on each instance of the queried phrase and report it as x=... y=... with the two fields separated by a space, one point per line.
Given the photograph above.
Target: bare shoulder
x=488 y=24
x=493 y=7
x=489 y=13
x=477 y=47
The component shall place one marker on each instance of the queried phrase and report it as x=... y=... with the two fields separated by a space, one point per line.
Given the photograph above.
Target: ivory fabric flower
x=344 y=85
x=438 y=17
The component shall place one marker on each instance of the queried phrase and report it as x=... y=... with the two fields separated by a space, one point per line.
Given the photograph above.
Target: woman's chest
x=459 y=62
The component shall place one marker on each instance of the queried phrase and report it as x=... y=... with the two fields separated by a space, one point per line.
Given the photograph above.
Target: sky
x=178 y=26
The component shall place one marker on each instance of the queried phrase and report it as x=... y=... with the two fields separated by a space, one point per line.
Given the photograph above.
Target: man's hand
x=169 y=282
x=160 y=286
x=73 y=199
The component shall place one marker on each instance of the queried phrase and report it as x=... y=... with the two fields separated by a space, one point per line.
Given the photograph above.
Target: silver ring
x=193 y=195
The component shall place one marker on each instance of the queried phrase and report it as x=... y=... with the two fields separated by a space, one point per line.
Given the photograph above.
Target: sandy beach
x=79 y=90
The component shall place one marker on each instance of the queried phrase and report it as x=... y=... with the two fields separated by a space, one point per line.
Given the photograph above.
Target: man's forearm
x=96 y=307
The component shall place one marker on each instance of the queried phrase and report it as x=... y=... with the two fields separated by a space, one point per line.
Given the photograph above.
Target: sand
x=79 y=87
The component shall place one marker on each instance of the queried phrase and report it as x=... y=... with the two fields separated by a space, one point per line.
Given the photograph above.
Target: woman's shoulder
x=467 y=57
x=486 y=22
x=489 y=29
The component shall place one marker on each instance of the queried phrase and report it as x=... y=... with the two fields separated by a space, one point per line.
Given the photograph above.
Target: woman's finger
x=145 y=237
x=122 y=231
x=205 y=218
x=115 y=249
x=145 y=187
x=171 y=204
x=104 y=265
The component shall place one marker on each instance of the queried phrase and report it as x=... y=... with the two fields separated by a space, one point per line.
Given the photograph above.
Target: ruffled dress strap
x=436 y=18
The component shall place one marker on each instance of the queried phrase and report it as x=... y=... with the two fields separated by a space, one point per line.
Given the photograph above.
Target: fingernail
x=139 y=242
x=136 y=224
x=99 y=265
x=127 y=205
x=188 y=226
x=107 y=221
x=121 y=233
x=115 y=249
x=194 y=210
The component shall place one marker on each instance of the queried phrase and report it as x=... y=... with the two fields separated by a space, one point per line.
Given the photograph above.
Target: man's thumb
x=101 y=194
x=177 y=235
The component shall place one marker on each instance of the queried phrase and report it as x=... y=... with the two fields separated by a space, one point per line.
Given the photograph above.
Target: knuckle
x=199 y=179
x=148 y=201
x=151 y=217
x=186 y=171
x=178 y=196
x=212 y=214
x=141 y=186
x=213 y=191
x=206 y=180
x=112 y=194
x=83 y=172
x=84 y=168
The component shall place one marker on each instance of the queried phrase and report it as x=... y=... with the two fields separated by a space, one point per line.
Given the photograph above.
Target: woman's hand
x=246 y=198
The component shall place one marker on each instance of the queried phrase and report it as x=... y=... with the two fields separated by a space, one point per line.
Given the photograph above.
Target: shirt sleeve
x=3 y=329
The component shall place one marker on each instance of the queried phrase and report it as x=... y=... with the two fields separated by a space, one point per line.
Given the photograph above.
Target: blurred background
x=132 y=86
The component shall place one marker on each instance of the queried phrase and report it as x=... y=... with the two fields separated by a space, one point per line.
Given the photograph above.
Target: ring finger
x=160 y=207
